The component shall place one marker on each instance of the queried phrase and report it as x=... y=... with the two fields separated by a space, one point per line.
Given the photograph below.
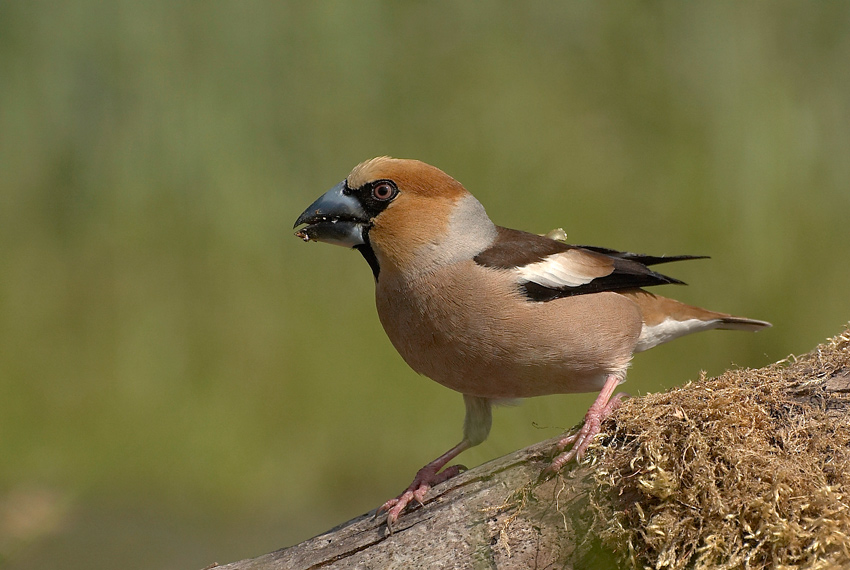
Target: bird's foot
x=581 y=440
x=427 y=477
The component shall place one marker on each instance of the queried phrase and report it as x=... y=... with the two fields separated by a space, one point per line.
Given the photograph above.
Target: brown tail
x=666 y=319
x=730 y=323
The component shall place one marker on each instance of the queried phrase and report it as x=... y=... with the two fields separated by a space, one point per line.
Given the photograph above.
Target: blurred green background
x=182 y=381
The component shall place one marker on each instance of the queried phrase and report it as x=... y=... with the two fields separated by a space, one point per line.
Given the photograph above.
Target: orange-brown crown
x=409 y=176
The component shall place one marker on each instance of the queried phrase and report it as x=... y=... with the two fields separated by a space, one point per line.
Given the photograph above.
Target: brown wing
x=547 y=269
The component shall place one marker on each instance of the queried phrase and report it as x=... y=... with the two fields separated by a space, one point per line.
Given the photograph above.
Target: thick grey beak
x=336 y=217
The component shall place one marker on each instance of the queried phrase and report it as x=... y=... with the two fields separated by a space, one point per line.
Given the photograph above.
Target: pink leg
x=580 y=441
x=426 y=478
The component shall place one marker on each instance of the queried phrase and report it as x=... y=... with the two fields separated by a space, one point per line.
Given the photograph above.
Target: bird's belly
x=496 y=350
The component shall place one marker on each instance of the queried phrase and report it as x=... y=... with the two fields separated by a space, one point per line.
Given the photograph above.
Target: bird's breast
x=469 y=328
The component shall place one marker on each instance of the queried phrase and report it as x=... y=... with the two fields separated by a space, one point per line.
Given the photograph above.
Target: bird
x=496 y=313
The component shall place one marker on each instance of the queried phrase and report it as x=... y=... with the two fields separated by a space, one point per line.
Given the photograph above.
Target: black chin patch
x=369 y=255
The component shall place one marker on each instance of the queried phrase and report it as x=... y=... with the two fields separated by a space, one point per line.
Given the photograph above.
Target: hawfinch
x=496 y=313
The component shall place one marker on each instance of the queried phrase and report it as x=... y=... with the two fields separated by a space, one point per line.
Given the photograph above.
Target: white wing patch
x=568 y=269
x=669 y=329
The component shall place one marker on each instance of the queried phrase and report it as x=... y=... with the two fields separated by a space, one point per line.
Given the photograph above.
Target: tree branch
x=618 y=510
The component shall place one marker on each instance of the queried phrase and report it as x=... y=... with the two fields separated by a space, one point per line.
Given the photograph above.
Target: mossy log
x=747 y=470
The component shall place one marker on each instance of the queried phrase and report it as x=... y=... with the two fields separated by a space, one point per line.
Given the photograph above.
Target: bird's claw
x=417 y=490
x=582 y=439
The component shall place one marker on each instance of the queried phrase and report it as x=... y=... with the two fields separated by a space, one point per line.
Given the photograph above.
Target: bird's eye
x=383 y=191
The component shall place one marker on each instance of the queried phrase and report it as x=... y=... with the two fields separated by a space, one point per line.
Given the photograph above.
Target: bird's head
x=400 y=214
